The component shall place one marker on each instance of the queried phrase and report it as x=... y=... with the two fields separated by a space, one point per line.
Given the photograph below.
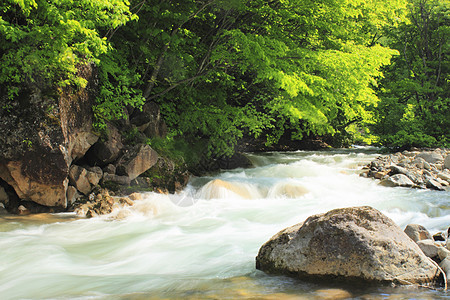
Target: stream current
x=202 y=243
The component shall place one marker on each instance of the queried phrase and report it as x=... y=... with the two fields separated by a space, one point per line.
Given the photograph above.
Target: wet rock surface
x=428 y=169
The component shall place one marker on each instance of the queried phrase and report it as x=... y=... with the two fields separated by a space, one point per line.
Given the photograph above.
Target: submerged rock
x=358 y=243
x=218 y=189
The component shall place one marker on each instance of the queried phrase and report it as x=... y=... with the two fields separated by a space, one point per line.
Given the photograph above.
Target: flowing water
x=202 y=243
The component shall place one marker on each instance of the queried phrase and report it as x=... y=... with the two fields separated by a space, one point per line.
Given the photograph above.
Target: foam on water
x=202 y=242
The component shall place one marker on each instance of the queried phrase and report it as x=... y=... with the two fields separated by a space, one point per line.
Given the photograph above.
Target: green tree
x=220 y=70
x=44 y=42
x=415 y=105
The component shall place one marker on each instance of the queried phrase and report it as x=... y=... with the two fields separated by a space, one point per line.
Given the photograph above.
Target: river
x=202 y=243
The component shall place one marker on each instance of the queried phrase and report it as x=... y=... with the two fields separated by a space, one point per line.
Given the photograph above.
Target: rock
x=434 y=185
x=444 y=176
x=333 y=294
x=164 y=175
x=238 y=160
x=430 y=157
x=4 y=198
x=78 y=177
x=72 y=194
x=379 y=175
x=42 y=135
x=356 y=243
x=91 y=214
x=94 y=175
x=85 y=179
x=397 y=180
x=428 y=247
x=110 y=169
x=439 y=236
x=445 y=265
x=364 y=174
x=443 y=253
x=417 y=232
x=126 y=201
x=135 y=196
x=398 y=170
x=23 y=210
x=138 y=160
x=443 y=183
x=419 y=162
x=447 y=162
x=426 y=166
x=121 y=180
x=220 y=189
x=106 y=151
x=287 y=189
x=45 y=185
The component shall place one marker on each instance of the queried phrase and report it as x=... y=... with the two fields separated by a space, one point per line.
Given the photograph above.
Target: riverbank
x=426 y=169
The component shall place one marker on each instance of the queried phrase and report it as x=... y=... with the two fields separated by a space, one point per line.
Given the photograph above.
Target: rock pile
x=356 y=243
x=436 y=247
x=416 y=169
x=103 y=203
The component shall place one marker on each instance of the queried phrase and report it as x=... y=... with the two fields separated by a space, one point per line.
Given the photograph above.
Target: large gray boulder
x=356 y=243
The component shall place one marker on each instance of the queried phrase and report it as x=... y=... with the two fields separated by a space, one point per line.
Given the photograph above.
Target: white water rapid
x=202 y=243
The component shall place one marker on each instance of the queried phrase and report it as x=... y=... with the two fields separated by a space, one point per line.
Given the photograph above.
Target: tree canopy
x=221 y=70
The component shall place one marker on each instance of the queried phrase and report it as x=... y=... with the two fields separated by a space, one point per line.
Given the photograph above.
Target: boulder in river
x=417 y=232
x=397 y=180
x=356 y=243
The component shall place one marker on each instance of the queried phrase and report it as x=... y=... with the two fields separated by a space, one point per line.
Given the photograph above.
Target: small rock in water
x=439 y=236
x=135 y=196
x=443 y=253
x=417 y=232
x=333 y=294
x=397 y=180
x=428 y=247
x=90 y=214
x=126 y=201
x=445 y=265
x=434 y=185
x=22 y=210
